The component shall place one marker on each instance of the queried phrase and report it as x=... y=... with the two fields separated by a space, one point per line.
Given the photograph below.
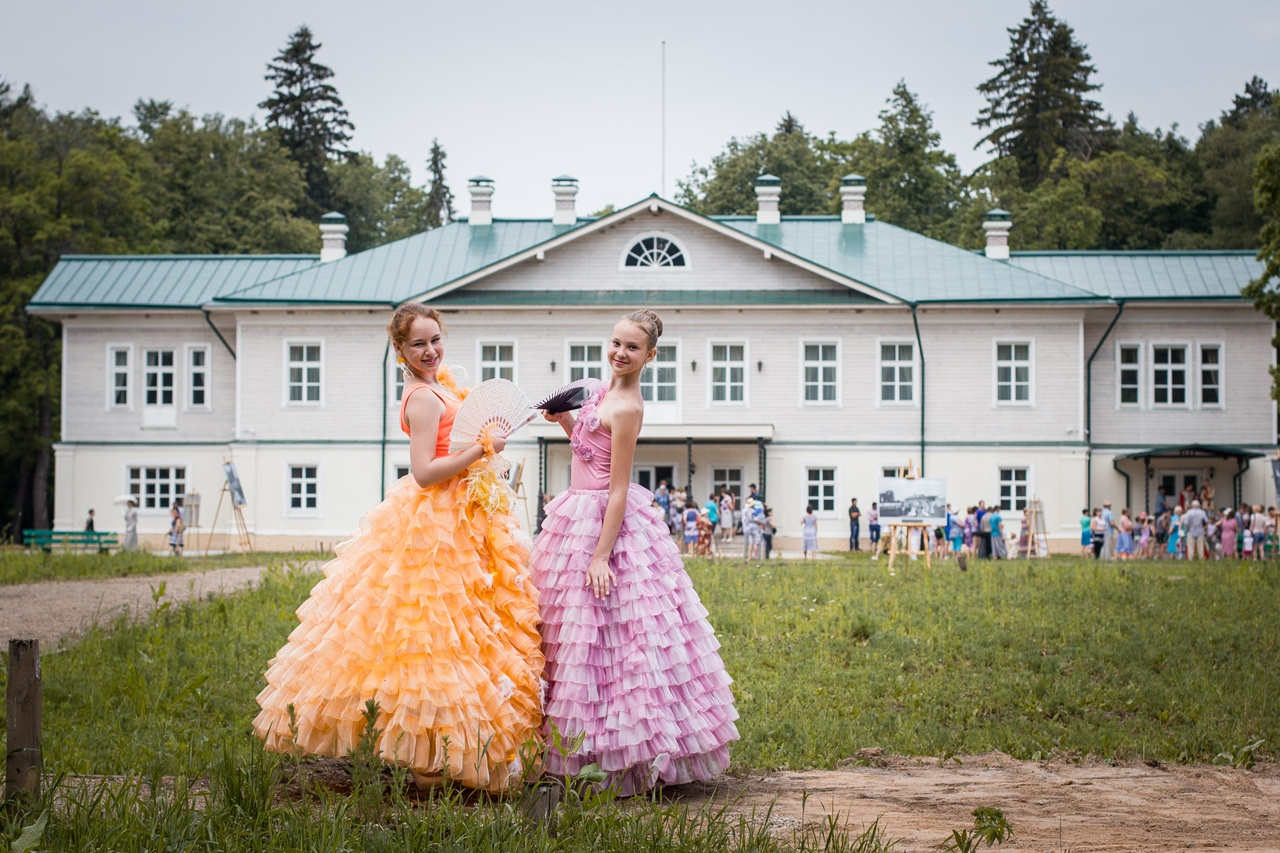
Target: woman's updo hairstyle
x=649 y=322
x=402 y=320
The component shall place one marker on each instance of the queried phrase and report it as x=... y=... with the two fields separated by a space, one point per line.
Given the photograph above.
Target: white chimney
x=481 y=189
x=853 y=190
x=333 y=237
x=997 y=225
x=768 y=191
x=565 y=190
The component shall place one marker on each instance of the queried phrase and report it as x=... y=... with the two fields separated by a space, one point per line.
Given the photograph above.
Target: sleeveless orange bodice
x=451 y=407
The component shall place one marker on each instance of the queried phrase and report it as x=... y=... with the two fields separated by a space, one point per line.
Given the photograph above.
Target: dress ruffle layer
x=638 y=674
x=429 y=610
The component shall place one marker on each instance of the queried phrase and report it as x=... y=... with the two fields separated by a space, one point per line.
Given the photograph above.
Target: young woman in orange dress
x=428 y=610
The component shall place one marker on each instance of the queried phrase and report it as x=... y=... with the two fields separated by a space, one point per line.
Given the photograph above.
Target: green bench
x=70 y=540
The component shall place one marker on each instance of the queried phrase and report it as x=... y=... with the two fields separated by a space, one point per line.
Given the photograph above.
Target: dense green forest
x=164 y=180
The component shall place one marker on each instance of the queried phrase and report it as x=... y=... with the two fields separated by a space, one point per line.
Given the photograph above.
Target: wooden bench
x=70 y=540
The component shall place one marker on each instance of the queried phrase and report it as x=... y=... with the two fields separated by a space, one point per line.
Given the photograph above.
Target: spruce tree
x=308 y=114
x=439 y=198
x=1038 y=102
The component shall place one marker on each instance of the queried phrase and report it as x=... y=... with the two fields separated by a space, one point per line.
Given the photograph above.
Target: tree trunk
x=19 y=508
x=40 y=472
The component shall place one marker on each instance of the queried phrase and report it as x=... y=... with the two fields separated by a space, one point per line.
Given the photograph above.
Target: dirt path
x=52 y=610
x=1095 y=806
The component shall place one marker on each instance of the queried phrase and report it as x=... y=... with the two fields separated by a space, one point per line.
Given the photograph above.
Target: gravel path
x=52 y=611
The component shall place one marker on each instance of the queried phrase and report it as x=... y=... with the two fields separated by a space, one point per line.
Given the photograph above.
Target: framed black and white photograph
x=918 y=500
x=233 y=483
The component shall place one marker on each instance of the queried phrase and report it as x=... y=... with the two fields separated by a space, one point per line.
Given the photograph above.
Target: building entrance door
x=649 y=476
x=1175 y=481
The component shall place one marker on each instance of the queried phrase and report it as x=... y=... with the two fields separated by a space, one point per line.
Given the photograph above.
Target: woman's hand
x=492 y=439
x=557 y=417
x=600 y=578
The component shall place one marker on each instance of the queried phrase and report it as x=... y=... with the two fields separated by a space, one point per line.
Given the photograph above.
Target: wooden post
x=24 y=705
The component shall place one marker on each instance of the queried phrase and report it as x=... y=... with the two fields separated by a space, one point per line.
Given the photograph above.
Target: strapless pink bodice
x=592 y=446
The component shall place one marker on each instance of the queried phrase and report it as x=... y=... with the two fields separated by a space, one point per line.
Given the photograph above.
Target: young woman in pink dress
x=633 y=667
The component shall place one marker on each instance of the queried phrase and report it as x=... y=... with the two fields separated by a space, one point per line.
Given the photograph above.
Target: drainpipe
x=1088 y=412
x=209 y=320
x=386 y=354
x=1115 y=463
x=1237 y=482
x=920 y=349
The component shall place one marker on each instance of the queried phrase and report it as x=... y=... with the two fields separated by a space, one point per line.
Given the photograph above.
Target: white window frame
x=1141 y=367
x=629 y=244
x=129 y=390
x=665 y=411
x=395 y=384
x=1028 y=485
x=914 y=402
x=584 y=365
x=206 y=369
x=712 y=364
x=809 y=483
x=1221 y=347
x=839 y=380
x=160 y=415
x=1189 y=368
x=300 y=512
x=288 y=365
x=499 y=363
x=717 y=482
x=141 y=495
x=1028 y=403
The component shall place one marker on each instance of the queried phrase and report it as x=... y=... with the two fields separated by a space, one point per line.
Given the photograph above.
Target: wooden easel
x=242 y=529
x=893 y=528
x=1037 y=542
x=516 y=482
x=890 y=529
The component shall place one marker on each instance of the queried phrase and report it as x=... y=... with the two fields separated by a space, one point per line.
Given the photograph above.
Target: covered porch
x=1181 y=464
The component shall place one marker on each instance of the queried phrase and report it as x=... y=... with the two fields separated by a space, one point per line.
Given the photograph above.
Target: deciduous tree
x=1265 y=290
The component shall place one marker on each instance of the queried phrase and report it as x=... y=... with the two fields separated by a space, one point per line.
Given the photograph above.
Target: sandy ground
x=53 y=610
x=1055 y=806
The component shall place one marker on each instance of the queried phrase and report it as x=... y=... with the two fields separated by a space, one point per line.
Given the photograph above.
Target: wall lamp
x=693 y=365
x=759 y=367
x=553 y=365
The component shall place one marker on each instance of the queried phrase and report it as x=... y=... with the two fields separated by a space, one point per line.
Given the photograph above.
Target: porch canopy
x=687 y=434
x=1185 y=452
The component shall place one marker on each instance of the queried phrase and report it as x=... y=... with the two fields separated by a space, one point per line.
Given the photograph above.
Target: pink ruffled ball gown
x=638 y=673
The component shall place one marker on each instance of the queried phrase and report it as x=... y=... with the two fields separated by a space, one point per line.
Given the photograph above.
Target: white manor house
x=806 y=354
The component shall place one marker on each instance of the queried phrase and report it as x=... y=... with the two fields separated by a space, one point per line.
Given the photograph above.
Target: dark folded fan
x=568 y=398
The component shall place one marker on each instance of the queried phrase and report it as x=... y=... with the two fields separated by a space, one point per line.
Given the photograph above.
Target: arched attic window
x=659 y=251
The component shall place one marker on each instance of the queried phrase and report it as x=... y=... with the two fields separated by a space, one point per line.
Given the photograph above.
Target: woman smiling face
x=423 y=347
x=629 y=349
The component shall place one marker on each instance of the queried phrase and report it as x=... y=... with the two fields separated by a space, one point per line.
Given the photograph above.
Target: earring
x=404 y=369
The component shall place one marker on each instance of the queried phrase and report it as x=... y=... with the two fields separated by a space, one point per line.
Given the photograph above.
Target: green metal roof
x=880 y=256
x=465 y=297
x=1179 y=451
x=1148 y=275
x=911 y=266
x=397 y=271
x=156 y=281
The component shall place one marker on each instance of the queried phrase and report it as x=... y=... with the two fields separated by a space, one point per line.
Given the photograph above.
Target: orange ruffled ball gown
x=429 y=610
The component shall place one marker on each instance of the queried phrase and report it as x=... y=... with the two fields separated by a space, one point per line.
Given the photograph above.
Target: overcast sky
x=525 y=91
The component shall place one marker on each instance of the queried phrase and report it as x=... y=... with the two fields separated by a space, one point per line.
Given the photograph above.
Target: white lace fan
x=496 y=401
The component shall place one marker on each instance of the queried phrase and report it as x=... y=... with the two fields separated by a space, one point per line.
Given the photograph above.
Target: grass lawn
x=1165 y=660
x=21 y=566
